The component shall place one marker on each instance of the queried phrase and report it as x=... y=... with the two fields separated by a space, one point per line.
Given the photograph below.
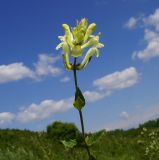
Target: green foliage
x=69 y=144
x=94 y=138
x=151 y=124
x=149 y=139
x=62 y=131
x=114 y=145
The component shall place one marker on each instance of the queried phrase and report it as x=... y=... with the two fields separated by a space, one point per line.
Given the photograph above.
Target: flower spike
x=76 y=40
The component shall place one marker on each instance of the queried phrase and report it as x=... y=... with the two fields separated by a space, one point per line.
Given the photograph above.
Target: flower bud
x=83 y=23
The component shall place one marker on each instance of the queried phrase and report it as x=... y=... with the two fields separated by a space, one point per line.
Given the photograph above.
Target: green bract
x=76 y=40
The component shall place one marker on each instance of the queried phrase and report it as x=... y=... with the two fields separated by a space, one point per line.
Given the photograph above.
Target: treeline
x=150 y=124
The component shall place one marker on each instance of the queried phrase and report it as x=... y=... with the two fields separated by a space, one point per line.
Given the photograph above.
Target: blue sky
x=121 y=86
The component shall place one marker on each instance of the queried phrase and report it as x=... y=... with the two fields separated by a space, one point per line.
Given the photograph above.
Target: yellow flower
x=75 y=40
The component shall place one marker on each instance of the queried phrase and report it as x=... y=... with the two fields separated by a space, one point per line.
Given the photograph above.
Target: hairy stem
x=80 y=111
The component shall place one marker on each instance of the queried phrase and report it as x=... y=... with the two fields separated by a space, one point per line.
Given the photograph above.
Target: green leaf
x=79 y=102
x=69 y=144
x=92 y=139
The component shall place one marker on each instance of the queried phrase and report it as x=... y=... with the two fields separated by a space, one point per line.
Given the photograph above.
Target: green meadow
x=141 y=143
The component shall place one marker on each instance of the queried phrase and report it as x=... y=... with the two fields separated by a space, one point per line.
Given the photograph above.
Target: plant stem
x=80 y=111
x=82 y=124
x=74 y=71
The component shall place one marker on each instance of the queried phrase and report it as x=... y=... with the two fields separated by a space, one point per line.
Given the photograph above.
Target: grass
x=115 y=145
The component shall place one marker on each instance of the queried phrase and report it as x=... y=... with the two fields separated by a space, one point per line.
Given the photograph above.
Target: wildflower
x=76 y=40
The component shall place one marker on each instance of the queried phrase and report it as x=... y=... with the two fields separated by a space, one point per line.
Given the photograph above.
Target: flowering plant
x=73 y=43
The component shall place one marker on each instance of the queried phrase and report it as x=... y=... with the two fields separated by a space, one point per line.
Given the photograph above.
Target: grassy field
x=134 y=144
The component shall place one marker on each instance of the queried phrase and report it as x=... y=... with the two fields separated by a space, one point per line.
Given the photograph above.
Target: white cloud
x=105 y=86
x=153 y=20
x=43 y=110
x=151 y=38
x=18 y=71
x=65 y=79
x=47 y=108
x=152 y=48
x=118 y=80
x=93 y=96
x=45 y=65
x=14 y=72
x=131 y=23
x=124 y=115
x=6 y=117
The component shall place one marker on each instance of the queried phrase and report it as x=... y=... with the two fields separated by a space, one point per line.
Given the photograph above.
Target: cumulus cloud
x=152 y=48
x=153 y=20
x=65 y=79
x=118 y=80
x=14 y=72
x=92 y=96
x=17 y=71
x=6 y=117
x=131 y=23
x=43 y=110
x=45 y=65
x=151 y=38
x=105 y=85
x=47 y=108
x=124 y=115
x=114 y=81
